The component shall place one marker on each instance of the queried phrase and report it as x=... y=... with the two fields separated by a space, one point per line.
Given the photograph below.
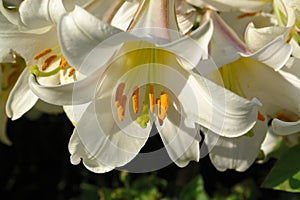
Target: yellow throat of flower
x=151 y=98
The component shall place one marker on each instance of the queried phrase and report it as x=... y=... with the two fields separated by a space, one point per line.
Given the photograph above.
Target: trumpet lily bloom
x=131 y=82
x=260 y=75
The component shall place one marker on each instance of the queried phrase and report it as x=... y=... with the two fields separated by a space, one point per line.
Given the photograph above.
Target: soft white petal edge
x=180 y=139
x=104 y=139
x=275 y=54
x=238 y=153
x=79 y=153
x=21 y=98
x=285 y=128
x=219 y=109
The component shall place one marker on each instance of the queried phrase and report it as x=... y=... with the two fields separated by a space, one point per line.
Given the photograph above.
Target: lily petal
x=79 y=152
x=104 y=139
x=275 y=54
x=186 y=16
x=21 y=98
x=270 y=143
x=12 y=38
x=225 y=44
x=235 y=115
x=75 y=93
x=238 y=153
x=41 y=13
x=231 y=5
x=86 y=30
x=285 y=128
x=180 y=138
x=279 y=93
x=256 y=38
x=124 y=15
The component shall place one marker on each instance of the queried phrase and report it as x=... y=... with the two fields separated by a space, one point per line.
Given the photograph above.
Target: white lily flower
x=33 y=35
x=226 y=46
x=245 y=67
x=34 y=32
x=271 y=17
x=114 y=126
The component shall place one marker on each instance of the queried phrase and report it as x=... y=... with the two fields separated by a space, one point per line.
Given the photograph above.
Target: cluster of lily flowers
x=205 y=73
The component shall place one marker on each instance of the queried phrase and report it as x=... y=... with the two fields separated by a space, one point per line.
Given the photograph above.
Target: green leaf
x=194 y=190
x=285 y=175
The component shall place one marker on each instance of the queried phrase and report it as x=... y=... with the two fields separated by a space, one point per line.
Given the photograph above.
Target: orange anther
x=48 y=62
x=42 y=53
x=63 y=63
x=121 y=111
x=71 y=72
x=135 y=100
x=120 y=105
x=164 y=101
x=260 y=117
x=151 y=98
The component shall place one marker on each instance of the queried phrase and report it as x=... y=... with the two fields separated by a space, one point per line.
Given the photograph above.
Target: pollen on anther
x=121 y=111
x=48 y=62
x=164 y=100
x=135 y=100
x=71 y=72
x=42 y=53
x=63 y=63
x=121 y=108
x=151 y=98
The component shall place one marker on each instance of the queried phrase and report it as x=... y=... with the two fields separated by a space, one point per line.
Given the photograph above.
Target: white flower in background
x=33 y=35
x=262 y=75
x=131 y=73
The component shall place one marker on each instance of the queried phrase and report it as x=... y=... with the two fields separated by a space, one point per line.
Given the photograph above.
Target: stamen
x=71 y=72
x=120 y=101
x=135 y=100
x=63 y=63
x=48 y=62
x=151 y=98
x=163 y=106
x=35 y=70
x=260 y=117
x=42 y=53
x=121 y=108
x=119 y=93
x=120 y=113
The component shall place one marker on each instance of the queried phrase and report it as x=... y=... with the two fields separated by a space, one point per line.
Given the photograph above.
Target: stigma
x=156 y=107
